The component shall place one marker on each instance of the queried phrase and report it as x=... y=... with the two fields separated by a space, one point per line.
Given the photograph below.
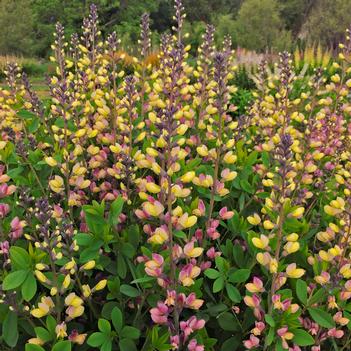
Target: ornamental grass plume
x=139 y=210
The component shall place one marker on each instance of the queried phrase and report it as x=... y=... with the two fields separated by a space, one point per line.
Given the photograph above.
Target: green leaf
x=106 y=346
x=26 y=114
x=14 y=279
x=96 y=339
x=318 y=296
x=212 y=273
x=29 y=287
x=130 y=332
x=231 y=344
x=145 y=279
x=104 y=326
x=32 y=347
x=10 y=329
x=220 y=263
x=117 y=319
x=301 y=291
x=269 y=319
x=129 y=290
x=43 y=334
x=115 y=211
x=240 y=276
x=218 y=284
x=324 y=319
x=33 y=125
x=51 y=324
x=233 y=293
x=19 y=258
x=228 y=322
x=302 y=338
x=62 y=346
x=127 y=345
x=121 y=267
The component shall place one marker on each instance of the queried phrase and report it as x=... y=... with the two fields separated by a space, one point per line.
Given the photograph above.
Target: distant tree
x=328 y=21
x=259 y=26
x=294 y=13
x=16 y=23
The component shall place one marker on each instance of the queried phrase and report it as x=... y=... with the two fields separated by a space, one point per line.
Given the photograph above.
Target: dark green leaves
x=29 y=287
x=239 y=276
x=129 y=290
x=116 y=210
x=302 y=338
x=233 y=293
x=301 y=291
x=19 y=258
x=14 y=279
x=62 y=346
x=117 y=319
x=324 y=319
x=9 y=329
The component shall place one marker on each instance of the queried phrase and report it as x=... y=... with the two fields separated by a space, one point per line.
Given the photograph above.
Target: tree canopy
x=27 y=25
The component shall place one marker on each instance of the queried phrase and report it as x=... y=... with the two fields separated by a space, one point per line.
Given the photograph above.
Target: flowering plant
x=142 y=212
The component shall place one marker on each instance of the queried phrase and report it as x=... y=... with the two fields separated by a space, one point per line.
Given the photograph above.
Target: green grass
x=38 y=84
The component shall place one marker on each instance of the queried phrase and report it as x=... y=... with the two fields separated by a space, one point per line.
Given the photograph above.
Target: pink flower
x=159 y=314
x=154 y=267
x=6 y=190
x=191 y=325
x=334 y=333
x=192 y=302
x=212 y=254
x=259 y=327
x=252 y=342
x=175 y=342
x=4 y=210
x=193 y=346
x=4 y=247
x=225 y=214
x=17 y=228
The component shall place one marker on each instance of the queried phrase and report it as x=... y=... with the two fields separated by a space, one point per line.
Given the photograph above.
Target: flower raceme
x=151 y=198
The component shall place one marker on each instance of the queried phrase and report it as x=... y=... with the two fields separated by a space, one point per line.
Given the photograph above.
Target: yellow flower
x=73 y=300
x=229 y=158
x=44 y=307
x=159 y=236
x=36 y=341
x=345 y=271
x=293 y=272
x=298 y=212
x=181 y=130
x=191 y=251
x=86 y=290
x=61 y=330
x=51 y=161
x=100 y=285
x=56 y=184
x=153 y=209
x=291 y=247
x=187 y=221
x=268 y=225
x=188 y=177
x=152 y=188
x=262 y=242
x=202 y=150
x=254 y=219
x=40 y=276
x=89 y=265
x=66 y=281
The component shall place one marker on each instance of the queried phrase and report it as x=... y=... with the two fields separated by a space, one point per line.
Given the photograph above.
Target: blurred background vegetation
x=259 y=25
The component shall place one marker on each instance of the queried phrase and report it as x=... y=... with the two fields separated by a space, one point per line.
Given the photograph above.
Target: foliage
x=16 y=22
x=259 y=26
x=167 y=209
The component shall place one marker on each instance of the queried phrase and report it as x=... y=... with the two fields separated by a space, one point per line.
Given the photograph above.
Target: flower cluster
x=140 y=211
